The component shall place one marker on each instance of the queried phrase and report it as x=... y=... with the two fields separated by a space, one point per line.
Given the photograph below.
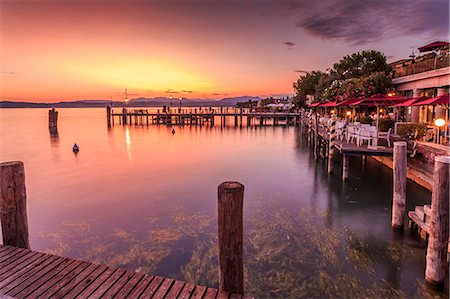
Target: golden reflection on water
x=128 y=144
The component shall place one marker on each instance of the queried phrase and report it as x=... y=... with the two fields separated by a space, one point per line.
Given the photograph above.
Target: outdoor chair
x=385 y=135
x=365 y=134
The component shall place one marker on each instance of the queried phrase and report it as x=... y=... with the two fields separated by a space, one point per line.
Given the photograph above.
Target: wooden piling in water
x=345 y=164
x=108 y=115
x=316 y=136
x=230 y=235
x=53 y=120
x=399 y=196
x=437 y=249
x=13 y=205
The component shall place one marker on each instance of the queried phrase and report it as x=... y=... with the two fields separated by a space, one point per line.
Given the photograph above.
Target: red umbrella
x=411 y=102
x=439 y=100
x=329 y=104
x=379 y=100
x=314 y=105
x=348 y=102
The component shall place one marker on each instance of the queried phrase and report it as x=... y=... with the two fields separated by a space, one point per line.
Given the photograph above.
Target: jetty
x=200 y=116
x=430 y=221
x=29 y=274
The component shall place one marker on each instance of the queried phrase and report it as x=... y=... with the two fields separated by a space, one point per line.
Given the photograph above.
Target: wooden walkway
x=29 y=274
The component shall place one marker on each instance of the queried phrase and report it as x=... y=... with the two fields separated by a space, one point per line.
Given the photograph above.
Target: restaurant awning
x=439 y=100
x=433 y=46
x=329 y=104
x=410 y=102
x=379 y=100
x=314 y=104
x=348 y=102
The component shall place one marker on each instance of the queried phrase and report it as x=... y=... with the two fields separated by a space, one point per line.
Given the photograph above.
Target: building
x=425 y=75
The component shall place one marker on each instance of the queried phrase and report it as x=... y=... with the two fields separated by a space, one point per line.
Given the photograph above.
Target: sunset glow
x=57 y=50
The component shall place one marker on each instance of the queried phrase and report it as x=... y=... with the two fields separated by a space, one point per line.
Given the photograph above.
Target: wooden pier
x=25 y=273
x=431 y=222
x=29 y=274
x=238 y=117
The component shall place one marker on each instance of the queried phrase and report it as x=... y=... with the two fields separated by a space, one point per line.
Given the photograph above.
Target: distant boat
x=76 y=148
x=173 y=131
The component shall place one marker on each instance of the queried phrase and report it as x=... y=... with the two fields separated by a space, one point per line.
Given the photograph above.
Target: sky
x=65 y=50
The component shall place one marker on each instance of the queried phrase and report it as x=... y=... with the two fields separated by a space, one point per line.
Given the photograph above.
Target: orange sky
x=55 y=50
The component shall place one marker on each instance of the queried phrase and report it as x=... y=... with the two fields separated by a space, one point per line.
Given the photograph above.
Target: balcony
x=421 y=64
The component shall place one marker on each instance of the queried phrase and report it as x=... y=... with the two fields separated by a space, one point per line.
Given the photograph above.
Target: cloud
x=360 y=22
x=172 y=91
x=301 y=71
x=289 y=44
x=8 y=73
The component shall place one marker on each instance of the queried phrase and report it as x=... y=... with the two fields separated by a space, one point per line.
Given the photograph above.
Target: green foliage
x=385 y=124
x=361 y=64
x=358 y=87
x=409 y=129
x=306 y=85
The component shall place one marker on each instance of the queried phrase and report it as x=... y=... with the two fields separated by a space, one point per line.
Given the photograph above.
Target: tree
x=306 y=85
x=361 y=64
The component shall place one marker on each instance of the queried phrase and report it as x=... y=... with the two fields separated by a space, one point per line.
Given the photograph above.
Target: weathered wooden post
x=331 y=144
x=108 y=115
x=316 y=136
x=438 y=228
x=53 y=120
x=345 y=162
x=13 y=205
x=124 y=116
x=230 y=234
x=399 y=198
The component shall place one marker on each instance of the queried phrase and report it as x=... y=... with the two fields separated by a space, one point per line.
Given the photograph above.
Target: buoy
x=173 y=131
x=75 y=148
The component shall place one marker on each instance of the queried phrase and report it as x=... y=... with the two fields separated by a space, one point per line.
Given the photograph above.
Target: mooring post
x=437 y=263
x=13 y=205
x=124 y=116
x=399 y=196
x=331 y=144
x=345 y=162
x=53 y=120
x=316 y=136
x=108 y=115
x=230 y=235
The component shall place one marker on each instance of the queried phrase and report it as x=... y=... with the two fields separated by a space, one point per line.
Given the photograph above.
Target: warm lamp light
x=332 y=111
x=391 y=94
x=348 y=113
x=439 y=122
x=381 y=110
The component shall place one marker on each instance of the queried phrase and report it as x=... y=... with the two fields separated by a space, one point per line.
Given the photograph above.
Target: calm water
x=143 y=199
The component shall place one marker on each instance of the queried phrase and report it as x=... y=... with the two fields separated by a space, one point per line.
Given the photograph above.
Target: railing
x=427 y=64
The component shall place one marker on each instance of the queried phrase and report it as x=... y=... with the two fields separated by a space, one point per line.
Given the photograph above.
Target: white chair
x=385 y=135
x=364 y=134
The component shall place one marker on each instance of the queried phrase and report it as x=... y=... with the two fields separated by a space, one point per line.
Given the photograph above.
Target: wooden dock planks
x=25 y=273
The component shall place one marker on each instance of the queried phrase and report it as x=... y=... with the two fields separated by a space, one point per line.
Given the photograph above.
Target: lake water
x=143 y=199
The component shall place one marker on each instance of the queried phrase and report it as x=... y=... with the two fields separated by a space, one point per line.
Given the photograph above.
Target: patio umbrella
x=439 y=100
x=411 y=102
x=379 y=100
x=348 y=103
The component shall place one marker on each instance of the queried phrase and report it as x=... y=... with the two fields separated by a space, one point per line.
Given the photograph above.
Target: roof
x=443 y=100
x=433 y=46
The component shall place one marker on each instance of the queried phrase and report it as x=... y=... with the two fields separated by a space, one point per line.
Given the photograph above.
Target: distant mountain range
x=138 y=102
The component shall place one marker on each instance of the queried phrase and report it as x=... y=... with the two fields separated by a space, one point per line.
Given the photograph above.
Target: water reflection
x=128 y=144
x=143 y=199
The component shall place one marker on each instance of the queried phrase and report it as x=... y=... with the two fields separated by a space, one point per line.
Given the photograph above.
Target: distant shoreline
x=133 y=103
